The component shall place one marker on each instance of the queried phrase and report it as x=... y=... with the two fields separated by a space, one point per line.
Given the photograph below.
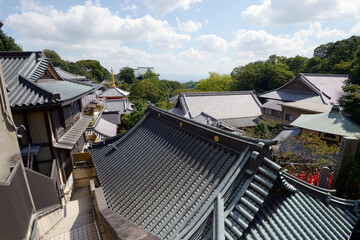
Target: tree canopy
x=215 y=82
x=156 y=91
x=91 y=69
x=127 y=75
x=7 y=43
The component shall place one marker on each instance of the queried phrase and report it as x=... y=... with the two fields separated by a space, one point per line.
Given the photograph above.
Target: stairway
x=78 y=220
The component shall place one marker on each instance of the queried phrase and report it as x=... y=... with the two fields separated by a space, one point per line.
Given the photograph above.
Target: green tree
x=127 y=75
x=313 y=65
x=280 y=75
x=129 y=120
x=249 y=77
x=145 y=90
x=351 y=101
x=7 y=43
x=355 y=68
x=215 y=82
x=296 y=64
x=98 y=72
x=150 y=75
x=265 y=129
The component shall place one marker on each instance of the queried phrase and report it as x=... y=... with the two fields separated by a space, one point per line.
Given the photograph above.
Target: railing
x=96 y=220
x=15 y=204
x=47 y=196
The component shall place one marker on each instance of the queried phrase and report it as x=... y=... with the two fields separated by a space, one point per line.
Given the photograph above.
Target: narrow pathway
x=78 y=220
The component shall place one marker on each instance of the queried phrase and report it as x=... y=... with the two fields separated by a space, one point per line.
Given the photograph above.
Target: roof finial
x=112 y=78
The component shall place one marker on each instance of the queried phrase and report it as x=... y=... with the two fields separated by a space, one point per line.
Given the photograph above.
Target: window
x=276 y=113
x=267 y=110
x=328 y=135
x=71 y=111
x=56 y=120
x=68 y=114
x=288 y=117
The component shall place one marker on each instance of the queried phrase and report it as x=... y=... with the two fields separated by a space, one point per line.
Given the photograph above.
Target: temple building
x=173 y=178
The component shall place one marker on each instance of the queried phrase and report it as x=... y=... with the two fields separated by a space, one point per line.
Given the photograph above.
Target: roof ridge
x=322 y=193
x=52 y=96
x=206 y=127
x=248 y=202
x=326 y=74
x=217 y=93
x=214 y=135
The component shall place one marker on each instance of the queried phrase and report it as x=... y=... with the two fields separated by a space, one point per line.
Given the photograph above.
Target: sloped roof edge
x=321 y=193
x=204 y=131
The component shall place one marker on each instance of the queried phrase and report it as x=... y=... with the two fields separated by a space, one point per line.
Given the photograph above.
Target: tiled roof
x=22 y=71
x=69 y=76
x=112 y=117
x=329 y=84
x=66 y=89
x=105 y=128
x=118 y=105
x=290 y=96
x=329 y=122
x=184 y=180
x=313 y=107
x=114 y=92
x=304 y=212
x=232 y=106
x=70 y=138
x=90 y=98
x=321 y=88
x=248 y=201
x=181 y=172
x=273 y=104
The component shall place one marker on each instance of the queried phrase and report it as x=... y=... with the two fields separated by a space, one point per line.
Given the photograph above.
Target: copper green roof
x=330 y=122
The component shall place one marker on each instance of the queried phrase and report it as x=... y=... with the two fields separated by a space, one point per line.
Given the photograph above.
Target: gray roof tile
x=22 y=71
x=317 y=88
x=303 y=214
x=170 y=175
x=70 y=138
x=180 y=171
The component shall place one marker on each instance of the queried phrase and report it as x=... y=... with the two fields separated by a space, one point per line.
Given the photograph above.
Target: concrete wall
x=42 y=189
x=294 y=112
x=9 y=147
x=15 y=206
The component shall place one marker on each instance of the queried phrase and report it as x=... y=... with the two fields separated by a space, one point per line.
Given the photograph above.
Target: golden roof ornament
x=112 y=78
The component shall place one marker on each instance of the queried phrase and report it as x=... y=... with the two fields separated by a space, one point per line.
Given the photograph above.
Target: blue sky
x=183 y=39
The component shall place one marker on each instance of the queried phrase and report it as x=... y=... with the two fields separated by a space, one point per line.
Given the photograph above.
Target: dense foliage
x=91 y=69
x=126 y=75
x=7 y=43
x=215 y=83
x=129 y=120
x=264 y=129
x=341 y=57
x=156 y=91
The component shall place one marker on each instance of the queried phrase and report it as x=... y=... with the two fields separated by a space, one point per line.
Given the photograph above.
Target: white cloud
x=316 y=30
x=212 y=43
x=257 y=45
x=294 y=11
x=193 y=54
x=189 y=26
x=131 y=7
x=165 y=6
x=91 y=24
x=30 y=5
